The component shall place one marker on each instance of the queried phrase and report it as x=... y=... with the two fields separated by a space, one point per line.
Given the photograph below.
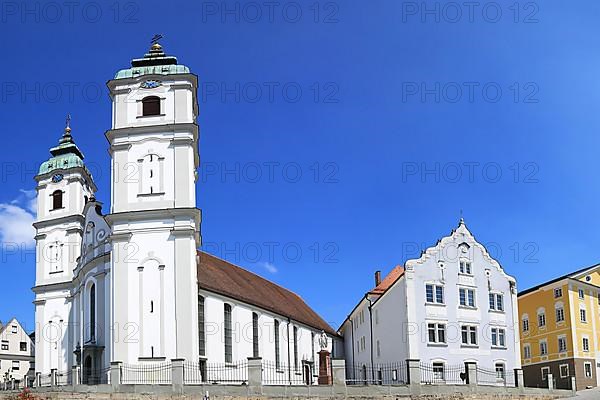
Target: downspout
x=288 y=351
x=352 y=335
x=371 y=334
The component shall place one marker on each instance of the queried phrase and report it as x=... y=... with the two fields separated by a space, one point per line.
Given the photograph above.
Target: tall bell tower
x=154 y=219
x=64 y=185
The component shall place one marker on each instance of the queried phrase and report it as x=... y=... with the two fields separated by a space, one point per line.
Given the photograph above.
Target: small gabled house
x=452 y=305
x=16 y=351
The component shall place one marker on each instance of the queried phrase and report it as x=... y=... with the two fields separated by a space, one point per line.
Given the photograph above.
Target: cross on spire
x=156 y=38
x=68 y=121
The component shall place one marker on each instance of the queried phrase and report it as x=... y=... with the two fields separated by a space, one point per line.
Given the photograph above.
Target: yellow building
x=560 y=330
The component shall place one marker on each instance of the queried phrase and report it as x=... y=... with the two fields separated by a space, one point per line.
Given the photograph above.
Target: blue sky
x=337 y=138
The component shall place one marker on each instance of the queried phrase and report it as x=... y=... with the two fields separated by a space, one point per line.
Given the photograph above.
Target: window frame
x=557 y=292
x=560 y=370
x=470 y=297
x=437 y=292
x=151 y=106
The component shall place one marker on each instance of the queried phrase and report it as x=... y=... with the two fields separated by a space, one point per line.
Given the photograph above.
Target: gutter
x=371 y=334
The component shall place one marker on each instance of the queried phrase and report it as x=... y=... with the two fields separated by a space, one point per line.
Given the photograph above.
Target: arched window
x=254 y=335
x=295 y=348
x=93 y=313
x=277 y=356
x=57 y=199
x=228 y=331
x=151 y=105
x=201 y=336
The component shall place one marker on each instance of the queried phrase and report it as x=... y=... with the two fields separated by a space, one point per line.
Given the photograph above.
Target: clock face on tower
x=57 y=178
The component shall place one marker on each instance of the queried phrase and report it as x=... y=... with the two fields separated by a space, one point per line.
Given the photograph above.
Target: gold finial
x=68 y=123
x=156 y=46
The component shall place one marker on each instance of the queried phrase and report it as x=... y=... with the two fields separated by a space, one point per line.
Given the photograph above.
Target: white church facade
x=131 y=285
x=453 y=305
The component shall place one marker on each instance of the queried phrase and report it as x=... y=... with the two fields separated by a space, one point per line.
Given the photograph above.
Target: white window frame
x=525 y=323
x=469 y=330
x=434 y=288
x=560 y=370
x=562 y=339
x=541 y=317
x=545 y=343
x=527 y=351
x=583 y=315
x=437 y=328
x=585 y=344
x=585 y=369
x=467 y=291
x=559 y=311
x=557 y=292
x=545 y=376
x=465 y=267
x=497 y=333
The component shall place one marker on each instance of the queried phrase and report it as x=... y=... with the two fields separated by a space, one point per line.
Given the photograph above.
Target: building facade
x=454 y=304
x=130 y=285
x=16 y=352
x=560 y=330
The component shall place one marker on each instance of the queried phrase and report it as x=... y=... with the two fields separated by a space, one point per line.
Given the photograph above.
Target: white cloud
x=16 y=219
x=269 y=267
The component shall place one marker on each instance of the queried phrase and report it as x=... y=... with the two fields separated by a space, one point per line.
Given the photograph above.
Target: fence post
x=255 y=378
x=471 y=371
x=115 y=375
x=573 y=386
x=177 y=372
x=53 y=377
x=75 y=375
x=550 y=382
x=38 y=379
x=413 y=369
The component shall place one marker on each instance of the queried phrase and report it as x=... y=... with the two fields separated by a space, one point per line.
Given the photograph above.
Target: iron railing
x=394 y=373
x=435 y=374
x=146 y=374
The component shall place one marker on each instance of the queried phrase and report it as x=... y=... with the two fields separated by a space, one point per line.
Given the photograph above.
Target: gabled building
x=16 y=352
x=454 y=304
x=560 y=330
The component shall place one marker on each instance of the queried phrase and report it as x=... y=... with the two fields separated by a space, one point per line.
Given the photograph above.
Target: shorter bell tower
x=64 y=185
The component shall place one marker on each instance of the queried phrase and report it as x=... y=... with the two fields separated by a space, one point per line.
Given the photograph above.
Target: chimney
x=377 y=278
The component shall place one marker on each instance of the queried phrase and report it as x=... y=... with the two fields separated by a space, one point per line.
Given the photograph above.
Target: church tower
x=154 y=219
x=64 y=185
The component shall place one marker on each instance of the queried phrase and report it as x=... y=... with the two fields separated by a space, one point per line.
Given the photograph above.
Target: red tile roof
x=219 y=276
x=385 y=284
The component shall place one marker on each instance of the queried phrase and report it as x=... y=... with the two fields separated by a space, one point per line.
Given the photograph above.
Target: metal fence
x=494 y=377
x=146 y=374
x=395 y=373
x=438 y=373
x=283 y=374
x=95 y=376
x=64 y=378
x=45 y=380
x=215 y=373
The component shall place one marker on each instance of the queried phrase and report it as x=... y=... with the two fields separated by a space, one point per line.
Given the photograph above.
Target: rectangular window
x=438 y=371
x=586 y=344
x=496 y=301
x=541 y=320
x=4 y=345
x=557 y=293
x=434 y=294
x=525 y=325
x=277 y=355
x=16 y=365
x=23 y=346
x=582 y=315
x=467 y=297
x=255 y=352
x=564 y=370
x=465 y=267
x=527 y=351
x=587 y=367
x=545 y=372
x=469 y=335
x=498 y=337
x=562 y=344
x=228 y=333
x=543 y=348
x=581 y=294
x=560 y=315
x=201 y=335
x=436 y=333
x=500 y=372
x=295 y=331
x=14 y=329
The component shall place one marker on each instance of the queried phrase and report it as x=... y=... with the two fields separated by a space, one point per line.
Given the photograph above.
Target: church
x=130 y=285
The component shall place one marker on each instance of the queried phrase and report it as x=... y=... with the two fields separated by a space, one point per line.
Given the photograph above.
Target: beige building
x=16 y=351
